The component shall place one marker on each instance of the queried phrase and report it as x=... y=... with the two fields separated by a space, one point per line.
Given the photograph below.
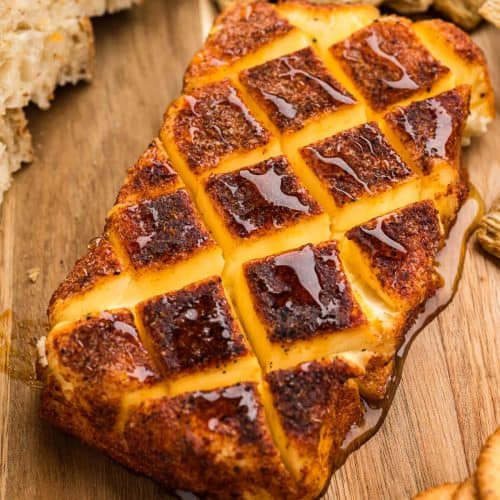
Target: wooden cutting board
x=449 y=398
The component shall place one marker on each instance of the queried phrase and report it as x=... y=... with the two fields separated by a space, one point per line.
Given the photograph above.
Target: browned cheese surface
x=447 y=403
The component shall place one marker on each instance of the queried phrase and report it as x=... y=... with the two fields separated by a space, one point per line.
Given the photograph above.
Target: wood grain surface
x=449 y=398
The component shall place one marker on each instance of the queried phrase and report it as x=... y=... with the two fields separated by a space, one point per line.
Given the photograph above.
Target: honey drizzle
x=405 y=82
x=329 y=89
x=340 y=163
x=378 y=233
x=435 y=144
x=449 y=262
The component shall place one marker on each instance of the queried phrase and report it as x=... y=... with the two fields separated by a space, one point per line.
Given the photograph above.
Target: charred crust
x=152 y=174
x=99 y=262
x=238 y=32
x=69 y=416
x=295 y=88
x=239 y=405
x=260 y=199
x=103 y=346
x=161 y=231
x=432 y=128
x=355 y=163
x=201 y=424
x=103 y=357
x=374 y=384
x=401 y=248
x=302 y=293
x=193 y=329
x=213 y=122
x=313 y=400
x=387 y=62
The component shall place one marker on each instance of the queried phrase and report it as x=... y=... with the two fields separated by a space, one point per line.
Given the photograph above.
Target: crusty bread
x=40 y=14
x=35 y=62
x=15 y=145
x=43 y=43
x=490 y=10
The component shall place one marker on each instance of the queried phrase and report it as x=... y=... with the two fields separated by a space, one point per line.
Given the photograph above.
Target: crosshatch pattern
x=265 y=255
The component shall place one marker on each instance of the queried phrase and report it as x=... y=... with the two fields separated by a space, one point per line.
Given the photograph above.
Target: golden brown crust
x=238 y=32
x=302 y=293
x=460 y=41
x=316 y=408
x=100 y=261
x=387 y=62
x=432 y=129
x=68 y=416
x=454 y=196
x=193 y=329
x=151 y=176
x=161 y=231
x=213 y=122
x=312 y=396
x=294 y=89
x=124 y=381
x=217 y=443
x=260 y=199
x=100 y=358
x=401 y=248
x=355 y=163
x=373 y=384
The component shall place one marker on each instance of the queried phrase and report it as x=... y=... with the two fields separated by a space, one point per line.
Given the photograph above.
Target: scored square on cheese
x=96 y=361
x=395 y=254
x=165 y=244
x=97 y=278
x=151 y=176
x=240 y=38
x=298 y=306
x=197 y=337
x=327 y=23
x=301 y=97
x=428 y=134
x=294 y=89
x=312 y=407
x=447 y=42
x=388 y=64
x=226 y=428
x=212 y=128
x=357 y=172
x=259 y=210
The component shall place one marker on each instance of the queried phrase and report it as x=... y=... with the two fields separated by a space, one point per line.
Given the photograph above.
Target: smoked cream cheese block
x=229 y=331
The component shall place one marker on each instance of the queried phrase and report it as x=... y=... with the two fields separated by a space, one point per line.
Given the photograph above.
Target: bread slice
x=43 y=44
x=36 y=61
x=490 y=10
x=15 y=145
x=40 y=14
